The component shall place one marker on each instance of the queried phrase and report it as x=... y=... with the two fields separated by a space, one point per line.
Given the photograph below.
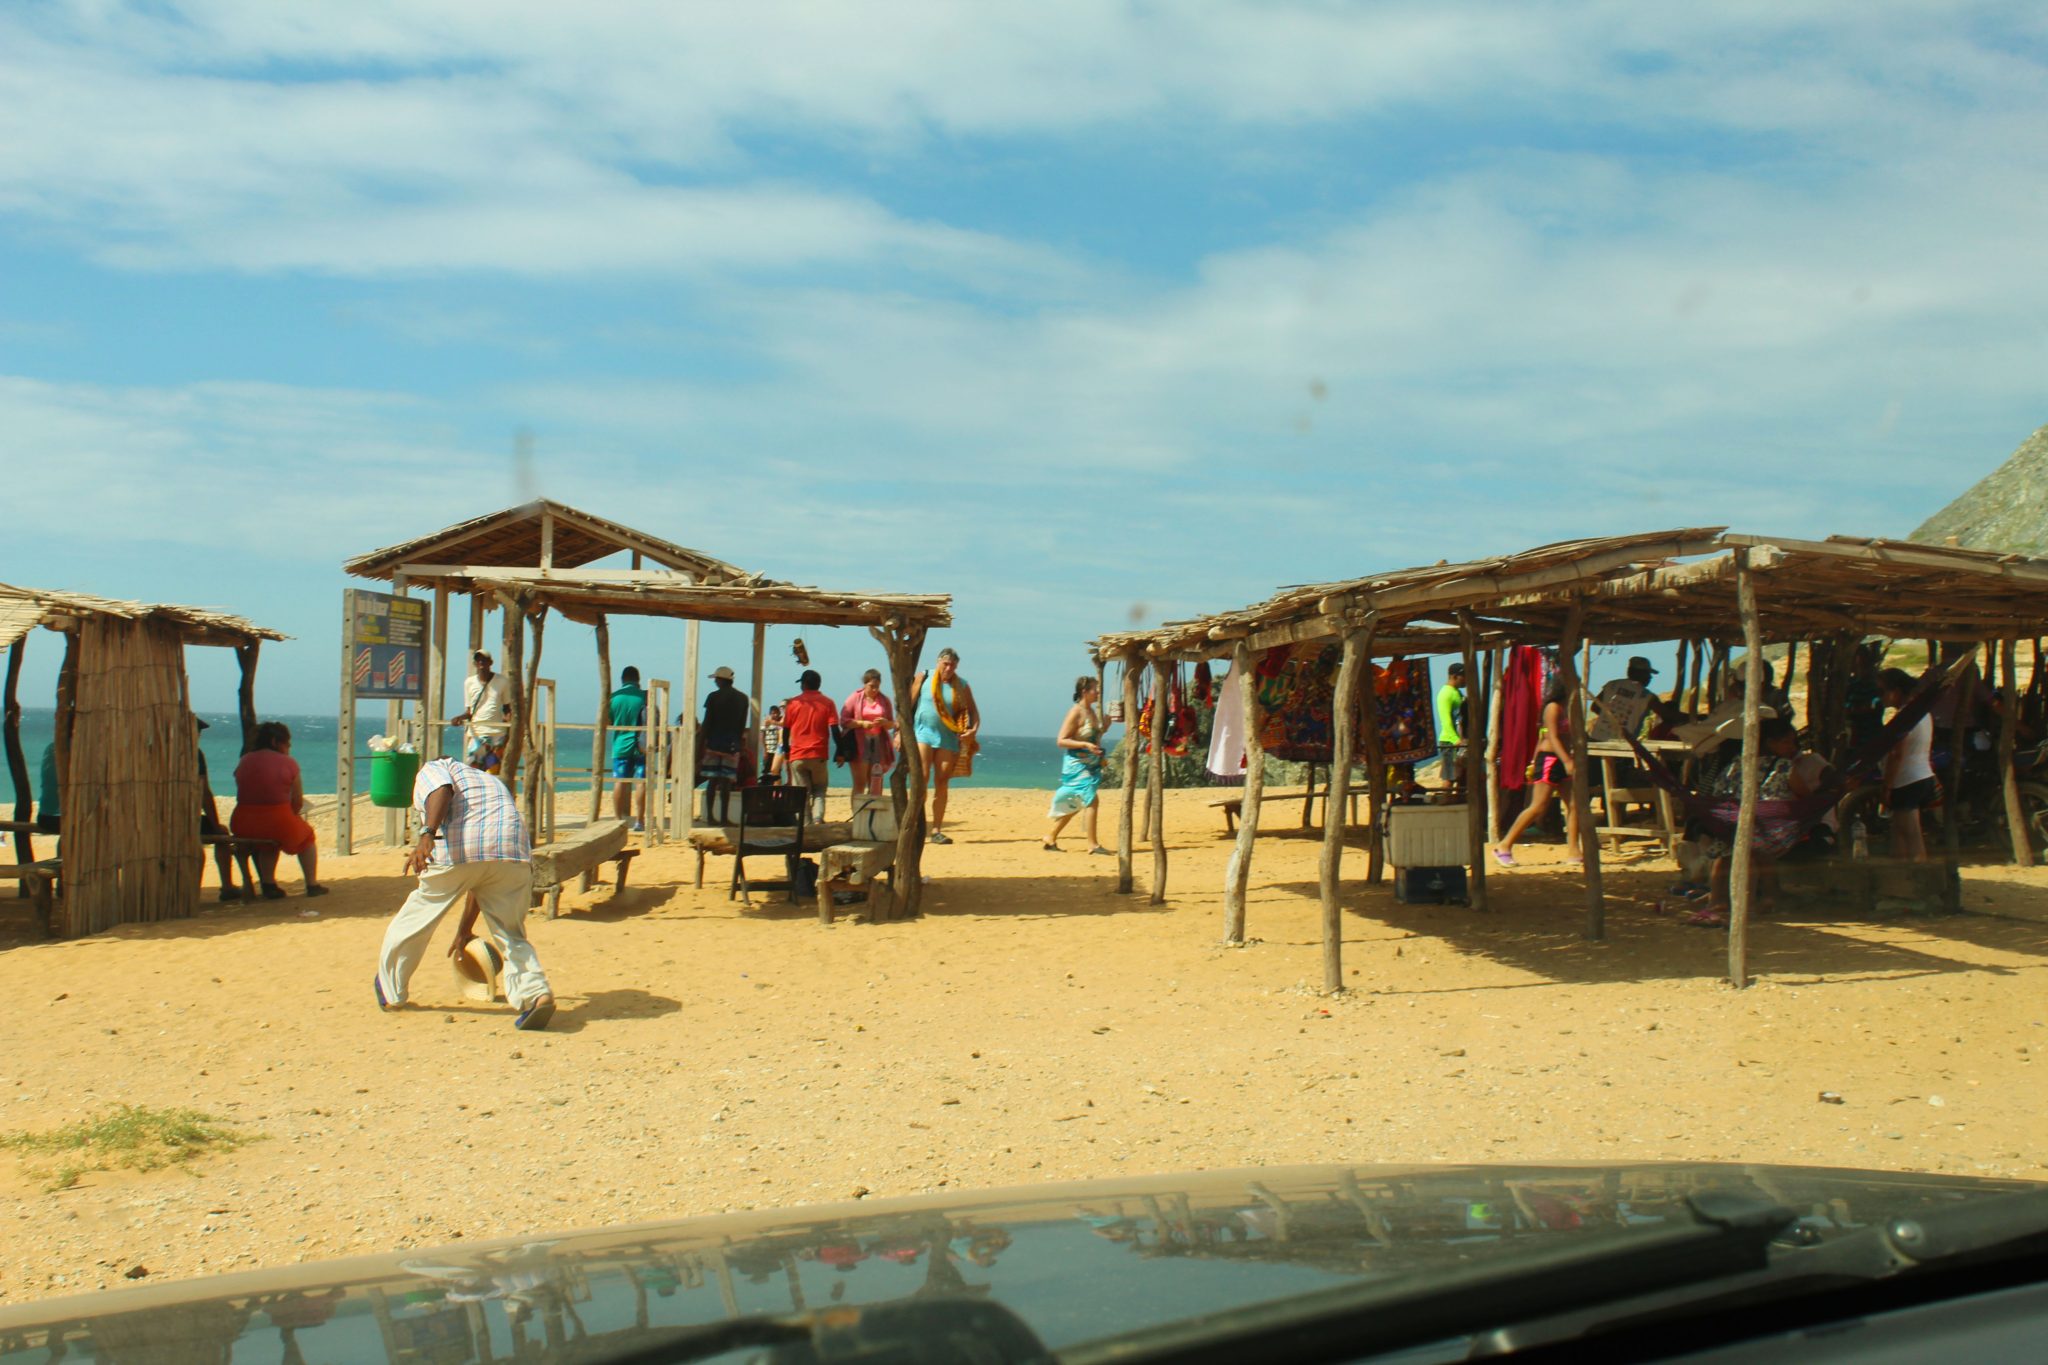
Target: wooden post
x=686 y=760
x=903 y=643
x=1695 y=698
x=1343 y=749
x=344 y=736
x=1497 y=670
x=245 y=691
x=2015 y=810
x=437 y=677
x=1965 y=689
x=1162 y=722
x=529 y=726
x=1244 y=677
x=514 y=669
x=598 y=748
x=17 y=761
x=394 y=730
x=1375 y=772
x=1127 y=813
x=1582 y=776
x=1744 y=856
x=758 y=717
x=547 y=540
x=1476 y=855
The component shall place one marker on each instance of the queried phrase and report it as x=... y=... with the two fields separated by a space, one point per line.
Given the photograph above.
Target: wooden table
x=1613 y=752
x=859 y=864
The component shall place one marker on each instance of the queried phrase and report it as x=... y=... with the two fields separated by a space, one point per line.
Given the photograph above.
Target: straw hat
x=476 y=970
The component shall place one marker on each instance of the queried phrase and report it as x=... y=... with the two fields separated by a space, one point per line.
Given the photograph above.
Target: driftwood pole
x=604 y=716
x=434 y=710
x=1744 y=855
x=1475 y=787
x=17 y=761
x=904 y=643
x=2015 y=812
x=1497 y=670
x=67 y=714
x=538 y=781
x=1162 y=723
x=1582 y=789
x=1127 y=811
x=1695 y=698
x=1375 y=771
x=1343 y=749
x=245 y=691
x=1964 y=690
x=1243 y=676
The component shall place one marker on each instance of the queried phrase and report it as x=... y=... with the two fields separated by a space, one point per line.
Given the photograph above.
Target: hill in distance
x=2005 y=510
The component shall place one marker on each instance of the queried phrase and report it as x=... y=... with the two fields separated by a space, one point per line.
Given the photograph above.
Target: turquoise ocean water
x=1005 y=761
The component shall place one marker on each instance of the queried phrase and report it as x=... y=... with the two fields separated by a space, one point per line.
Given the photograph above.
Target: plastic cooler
x=391 y=777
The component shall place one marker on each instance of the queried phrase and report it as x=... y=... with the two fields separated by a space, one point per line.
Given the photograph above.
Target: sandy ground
x=1032 y=1026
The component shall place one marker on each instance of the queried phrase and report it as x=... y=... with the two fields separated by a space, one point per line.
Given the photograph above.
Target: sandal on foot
x=535 y=1016
x=1505 y=858
x=1050 y=848
x=313 y=890
x=1100 y=851
x=939 y=837
x=229 y=893
x=382 y=1002
x=272 y=891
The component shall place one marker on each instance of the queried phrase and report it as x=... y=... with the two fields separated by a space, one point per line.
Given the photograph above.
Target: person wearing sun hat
x=722 y=740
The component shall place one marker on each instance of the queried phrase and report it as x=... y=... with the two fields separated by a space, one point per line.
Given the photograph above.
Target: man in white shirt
x=1622 y=704
x=487 y=711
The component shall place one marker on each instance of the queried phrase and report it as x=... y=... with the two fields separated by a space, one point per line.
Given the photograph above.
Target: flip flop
x=939 y=837
x=1051 y=848
x=1505 y=858
x=272 y=891
x=1104 y=852
x=316 y=890
x=535 y=1016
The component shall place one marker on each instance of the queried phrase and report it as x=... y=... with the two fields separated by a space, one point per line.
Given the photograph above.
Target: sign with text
x=387 y=645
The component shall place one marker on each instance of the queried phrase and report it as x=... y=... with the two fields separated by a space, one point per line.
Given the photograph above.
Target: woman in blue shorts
x=945 y=716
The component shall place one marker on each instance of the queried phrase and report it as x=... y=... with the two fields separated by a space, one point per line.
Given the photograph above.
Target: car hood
x=1081 y=1261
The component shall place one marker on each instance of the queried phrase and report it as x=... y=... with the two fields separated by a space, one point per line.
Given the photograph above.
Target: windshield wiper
x=1730 y=1235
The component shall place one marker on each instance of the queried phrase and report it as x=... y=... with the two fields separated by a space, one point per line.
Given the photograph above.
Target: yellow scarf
x=949 y=715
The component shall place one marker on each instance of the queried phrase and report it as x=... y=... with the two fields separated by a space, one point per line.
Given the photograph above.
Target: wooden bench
x=1232 y=806
x=720 y=841
x=579 y=853
x=859 y=865
x=1876 y=885
x=41 y=878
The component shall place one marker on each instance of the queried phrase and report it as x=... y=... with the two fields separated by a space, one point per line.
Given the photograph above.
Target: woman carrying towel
x=1080 y=741
x=1552 y=771
x=945 y=716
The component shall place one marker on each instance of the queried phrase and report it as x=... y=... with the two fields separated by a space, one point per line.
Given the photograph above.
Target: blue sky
x=1085 y=313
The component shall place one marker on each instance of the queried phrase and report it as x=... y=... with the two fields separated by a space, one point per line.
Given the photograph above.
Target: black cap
x=1638 y=664
x=810 y=679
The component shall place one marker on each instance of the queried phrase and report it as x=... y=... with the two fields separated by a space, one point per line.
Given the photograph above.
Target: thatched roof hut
x=127 y=751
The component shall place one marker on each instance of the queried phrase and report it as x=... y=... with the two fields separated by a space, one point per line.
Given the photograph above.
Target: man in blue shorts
x=627 y=715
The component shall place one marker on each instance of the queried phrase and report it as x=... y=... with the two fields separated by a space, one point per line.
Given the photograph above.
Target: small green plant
x=132 y=1137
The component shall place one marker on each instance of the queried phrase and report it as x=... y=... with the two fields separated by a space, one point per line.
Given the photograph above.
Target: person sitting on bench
x=212 y=830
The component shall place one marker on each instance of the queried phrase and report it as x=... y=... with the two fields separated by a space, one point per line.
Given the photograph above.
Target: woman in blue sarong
x=1080 y=741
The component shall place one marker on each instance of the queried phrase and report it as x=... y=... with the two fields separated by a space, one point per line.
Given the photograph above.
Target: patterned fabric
x=484 y=825
x=1297 y=689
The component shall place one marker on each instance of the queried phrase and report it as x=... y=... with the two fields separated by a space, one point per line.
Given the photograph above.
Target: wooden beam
x=437 y=678
x=1744 y=855
x=1375 y=776
x=1133 y=751
x=1496 y=672
x=1237 y=877
x=246 y=656
x=1476 y=856
x=1582 y=774
x=1162 y=722
x=686 y=761
x=1343 y=749
x=547 y=540
x=598 y=748
x=17 y=761
x=2008 y=727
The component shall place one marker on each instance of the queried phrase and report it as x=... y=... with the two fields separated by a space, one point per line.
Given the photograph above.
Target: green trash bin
x=391 y=776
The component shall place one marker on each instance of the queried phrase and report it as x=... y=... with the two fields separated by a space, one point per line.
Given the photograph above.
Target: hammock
x=1780 y=824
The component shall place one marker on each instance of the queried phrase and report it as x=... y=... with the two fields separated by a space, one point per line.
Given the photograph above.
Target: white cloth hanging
x=1226 y=731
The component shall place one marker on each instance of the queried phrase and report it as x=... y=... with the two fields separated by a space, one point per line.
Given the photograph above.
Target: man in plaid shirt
x=472 y=841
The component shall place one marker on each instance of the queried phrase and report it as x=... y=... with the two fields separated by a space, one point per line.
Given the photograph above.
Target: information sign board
x=387 y=646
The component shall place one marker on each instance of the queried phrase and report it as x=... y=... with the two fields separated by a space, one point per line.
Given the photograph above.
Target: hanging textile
x=1521 y=714
x=1226 y=734
x=1297 y=688
x=1181 y=721
x=1205 y=687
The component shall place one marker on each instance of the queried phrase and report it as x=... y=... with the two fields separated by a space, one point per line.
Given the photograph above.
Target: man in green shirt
x=1450 y=724
x=627 y=714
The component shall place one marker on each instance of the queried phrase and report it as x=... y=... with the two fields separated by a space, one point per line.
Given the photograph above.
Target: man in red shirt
x=808 y=718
